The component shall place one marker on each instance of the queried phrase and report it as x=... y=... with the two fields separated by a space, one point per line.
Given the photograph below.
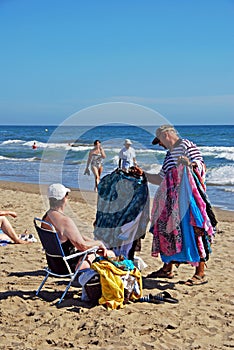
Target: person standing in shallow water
x=127 y=156
x=183 y=164
x=95 y=159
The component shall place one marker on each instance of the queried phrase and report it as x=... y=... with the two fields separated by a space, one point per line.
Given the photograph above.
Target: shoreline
x=90 y=196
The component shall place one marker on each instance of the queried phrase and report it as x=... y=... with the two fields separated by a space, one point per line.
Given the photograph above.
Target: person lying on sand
x=8 y=231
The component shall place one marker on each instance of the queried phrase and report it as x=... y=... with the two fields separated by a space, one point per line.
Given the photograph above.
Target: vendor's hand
x=183 y=160
x=87 y=171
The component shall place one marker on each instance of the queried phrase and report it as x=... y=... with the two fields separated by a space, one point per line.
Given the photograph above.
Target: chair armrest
x=90 y=250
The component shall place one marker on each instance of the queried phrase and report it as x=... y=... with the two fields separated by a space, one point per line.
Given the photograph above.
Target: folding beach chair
x=59 y=265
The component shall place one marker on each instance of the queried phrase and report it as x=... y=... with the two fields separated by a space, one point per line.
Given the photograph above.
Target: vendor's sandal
x=196 y=281
x=165 y=297
x=161 y=274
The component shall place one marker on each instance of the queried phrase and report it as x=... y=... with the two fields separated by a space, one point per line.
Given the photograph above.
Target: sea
x=62 y=152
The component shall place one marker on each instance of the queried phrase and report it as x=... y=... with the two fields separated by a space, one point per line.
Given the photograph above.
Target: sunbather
x=8 y=231
x=68 y=233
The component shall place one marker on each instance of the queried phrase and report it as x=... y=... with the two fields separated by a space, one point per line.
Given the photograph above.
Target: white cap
x=128 y=142
x=57 y=191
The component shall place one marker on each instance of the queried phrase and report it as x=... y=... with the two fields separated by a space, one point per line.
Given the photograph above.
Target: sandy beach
x=203 y=318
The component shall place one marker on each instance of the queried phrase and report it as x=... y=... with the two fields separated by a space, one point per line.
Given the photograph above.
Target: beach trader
x=182 y=220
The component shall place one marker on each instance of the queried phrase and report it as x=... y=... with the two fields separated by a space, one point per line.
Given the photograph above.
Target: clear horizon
x=60 y=57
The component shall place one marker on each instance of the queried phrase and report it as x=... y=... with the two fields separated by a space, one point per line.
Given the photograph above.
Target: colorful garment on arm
x=189 y=252
x=190 y=213
x=165 y=217
x=202 y=191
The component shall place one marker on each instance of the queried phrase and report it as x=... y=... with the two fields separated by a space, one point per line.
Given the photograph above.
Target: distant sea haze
x=61 y=154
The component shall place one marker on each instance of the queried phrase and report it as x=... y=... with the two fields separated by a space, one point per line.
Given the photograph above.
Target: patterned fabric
x=192 y=249
x=186 y=238
x=122 y=199
x=201 y=205
x=96 y=160
x=202 y=191
x=165 y=217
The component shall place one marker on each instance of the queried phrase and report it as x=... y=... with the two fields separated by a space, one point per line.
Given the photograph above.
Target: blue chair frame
x=58 y=263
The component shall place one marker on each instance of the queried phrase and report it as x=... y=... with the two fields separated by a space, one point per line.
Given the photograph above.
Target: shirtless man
x=68 y=233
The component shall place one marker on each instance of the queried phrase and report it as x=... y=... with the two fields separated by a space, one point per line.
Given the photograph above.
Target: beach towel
x=179 y=240
x=122 y=210
x=113 y=283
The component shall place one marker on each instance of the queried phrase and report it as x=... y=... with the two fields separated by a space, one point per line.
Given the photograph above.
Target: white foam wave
x=19 y=159
x=2 y=158
x=147 y=150
x=42 y=144
x=7 y=142
x=220 y=176
x=228 y=156
x=115 y=160
x=218 y=152
x=79 y=148
x=138 y=151
x=65 y=146
x=229 y=189
x=151 y=168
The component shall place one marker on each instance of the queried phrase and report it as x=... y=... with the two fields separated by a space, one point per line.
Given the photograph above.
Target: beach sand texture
x=203 y=318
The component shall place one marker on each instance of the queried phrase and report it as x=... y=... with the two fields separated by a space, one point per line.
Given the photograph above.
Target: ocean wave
x=78 y=148
x=46 y=145
x=220 y=176
x=7 y=142
x=5 y=158
x=66 y=147
x=229 y=189
x=31 y=159
x=216 y=149
x=218 y=152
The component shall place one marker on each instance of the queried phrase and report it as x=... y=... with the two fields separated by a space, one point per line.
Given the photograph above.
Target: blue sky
x=173 y=56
